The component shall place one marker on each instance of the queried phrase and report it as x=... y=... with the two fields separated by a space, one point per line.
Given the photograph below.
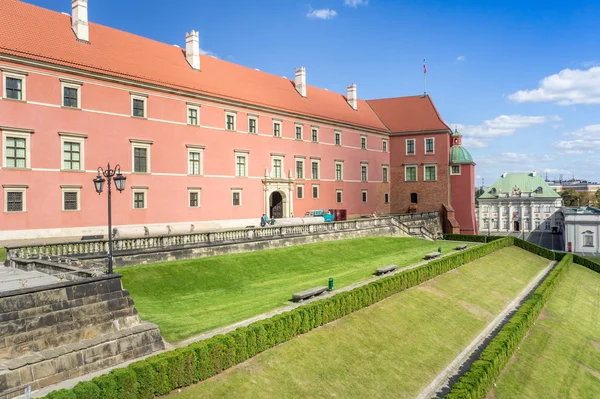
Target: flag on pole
x=424 y=66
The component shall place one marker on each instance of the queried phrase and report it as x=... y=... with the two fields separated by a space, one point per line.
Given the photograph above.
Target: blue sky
x=520 y=79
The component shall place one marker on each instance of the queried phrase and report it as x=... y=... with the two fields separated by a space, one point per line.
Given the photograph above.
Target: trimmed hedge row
x=536 y=249
x=585 y=262
x=161 y=374
x=477 y=382
x=526 y=245
x=465 y=237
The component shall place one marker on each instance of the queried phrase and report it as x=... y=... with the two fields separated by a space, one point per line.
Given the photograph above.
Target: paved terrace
x=14 y=279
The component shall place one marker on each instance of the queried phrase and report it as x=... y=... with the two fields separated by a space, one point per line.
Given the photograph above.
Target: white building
x=582 y=230
x=519 y=202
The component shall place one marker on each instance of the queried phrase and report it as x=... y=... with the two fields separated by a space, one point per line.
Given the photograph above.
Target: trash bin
x=330 y=283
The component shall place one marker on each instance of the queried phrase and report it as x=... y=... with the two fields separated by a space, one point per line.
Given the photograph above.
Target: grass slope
x=188 y=297
x=561 y=356
x=391 y=349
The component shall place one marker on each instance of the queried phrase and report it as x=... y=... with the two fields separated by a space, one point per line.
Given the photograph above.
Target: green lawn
x=561 y=356
x=189 y=297
x=391 y=349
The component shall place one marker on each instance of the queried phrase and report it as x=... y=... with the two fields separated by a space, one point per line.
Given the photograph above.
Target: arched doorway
x=276 y=205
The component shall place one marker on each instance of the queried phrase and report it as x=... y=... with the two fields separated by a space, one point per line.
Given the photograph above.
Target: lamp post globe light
x=106 y=175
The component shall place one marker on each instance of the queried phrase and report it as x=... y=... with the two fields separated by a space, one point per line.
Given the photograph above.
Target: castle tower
x=462 y=182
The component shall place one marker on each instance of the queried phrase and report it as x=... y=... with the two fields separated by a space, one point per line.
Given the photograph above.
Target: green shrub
x=147 y=378
x=464 y=237
x=476 y=383
x=585 y=262
x=86 y=390
x=536 y=249
x=126 y=380
x=108 y=386
x=62 y=394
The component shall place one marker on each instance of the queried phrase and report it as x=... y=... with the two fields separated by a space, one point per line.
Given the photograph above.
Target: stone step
x=50 y=366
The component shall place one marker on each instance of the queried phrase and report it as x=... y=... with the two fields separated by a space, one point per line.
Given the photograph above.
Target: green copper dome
x=458 y=154
x=456 y=133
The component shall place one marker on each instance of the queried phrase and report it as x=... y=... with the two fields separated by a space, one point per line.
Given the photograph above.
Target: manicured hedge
x=477 y=382
x=161 y=374
x=465 y=237
x=585 y=262
x=536 y=249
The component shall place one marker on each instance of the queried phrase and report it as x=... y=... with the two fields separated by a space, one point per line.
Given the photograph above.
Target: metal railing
x=18 y=393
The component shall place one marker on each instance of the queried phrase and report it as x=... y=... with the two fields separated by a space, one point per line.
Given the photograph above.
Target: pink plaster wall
x=463 y=199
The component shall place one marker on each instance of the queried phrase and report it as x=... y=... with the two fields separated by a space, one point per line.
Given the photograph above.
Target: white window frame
x=362 y=136
x=282 y=159
x=366 y=165
x=318 y=161
x=17 y=134
x=547 y=209
x=341 y=193
x=70 y=189
x=486 y=209
x=141 y=144
x=312 y=191
x=72 y=85
x=72 y=138
x=296 y=160
x=234 y=115
x=387 y=174
x=280 y=123
x=385 y=145
x=303 y=192
x=386 y=195
x=196 y=108
x=255 y=119
x=194 y=190
x=425 y=144
x=296 y=126
x=416 y=173
x=200 y=150
x=452 y=170
x=244 y=154
x=414 y=147
x=425 y=172
x=15 y=75
x=364 y=196
x=314 y=128
x=136 y=190
x=337 y=133
x=142 y=97
x=238 y=191
x=18 y=188
x=585 y=237
x=336 y=163
x=486 y=223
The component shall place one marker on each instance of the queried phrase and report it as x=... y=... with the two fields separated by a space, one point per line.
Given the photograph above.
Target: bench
x=461 y=247
x=386 y=269
x=300 y=296
x=432 y=255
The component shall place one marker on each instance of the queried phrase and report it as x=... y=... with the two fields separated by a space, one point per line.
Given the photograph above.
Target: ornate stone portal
x=278 y=200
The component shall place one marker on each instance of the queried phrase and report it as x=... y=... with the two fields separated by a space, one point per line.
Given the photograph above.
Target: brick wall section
x=381 y=207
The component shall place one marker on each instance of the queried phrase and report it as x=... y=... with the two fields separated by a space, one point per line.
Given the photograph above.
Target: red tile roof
x=408 y=114
x=36 y=33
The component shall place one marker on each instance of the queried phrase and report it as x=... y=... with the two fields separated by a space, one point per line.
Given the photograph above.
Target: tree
x=571 y=197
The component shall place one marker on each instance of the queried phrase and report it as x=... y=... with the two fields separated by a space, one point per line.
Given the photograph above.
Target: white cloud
x=503 y=125
x=471 y=142
x=569 y=86
x=581 y=141
x=208 y=52
x=461 y=58
x=356 y=3
x=324 y=13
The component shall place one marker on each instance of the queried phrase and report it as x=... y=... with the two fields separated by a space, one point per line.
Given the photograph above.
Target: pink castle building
x=199 y=139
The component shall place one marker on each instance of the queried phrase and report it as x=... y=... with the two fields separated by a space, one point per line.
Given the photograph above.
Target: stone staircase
x=56 y=332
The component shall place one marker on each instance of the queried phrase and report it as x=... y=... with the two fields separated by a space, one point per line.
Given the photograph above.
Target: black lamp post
x=119 y=179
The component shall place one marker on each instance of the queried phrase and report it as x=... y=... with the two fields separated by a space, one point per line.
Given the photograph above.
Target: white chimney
x=301 y=81
x=79 y=20
x=351 y=97
x=192 y=49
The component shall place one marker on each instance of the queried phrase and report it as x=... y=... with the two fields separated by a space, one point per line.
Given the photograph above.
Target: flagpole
x=424 y=78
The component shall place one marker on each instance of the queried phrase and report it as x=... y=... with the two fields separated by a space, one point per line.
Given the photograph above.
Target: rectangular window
x=547 y=208
x=139 y=200
x=16 y=150
x=315 y=135
x=338 y=172
x=588 y=240
x=363 y=173
x=230 y=121
x=537 y=224
x=486 y=224
x=139 y=106
x=338 y=196
x=455 y=170
x=386 y=198
x=315 y=170
x=315 y=191
x=240 y=166
x=410 y=147
x=15 y=201
x=300 y=191
x=384 y=174
x=236 y=197
x=486 y=209
x=410 y=173
x=430 y=173
x=364 y=196
x=495 y=224
x=70 y=200
x=338 y=138
x=363 y=142
x=277 y=129
x=14 y=87
x=252 y=125
x=505 y=224
x=71 y=155
x=548 y=224
x=140 y=160
x=193 y=116
x=195 y=158
x=414 y=198
x=194 y=198
x=298 y=132
x=70 y=97
x=536 y=209
x=429 y=146
x=277 y=167
x=384 y=145
x=299 y=169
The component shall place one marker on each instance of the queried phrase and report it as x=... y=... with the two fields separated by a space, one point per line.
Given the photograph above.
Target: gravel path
x=440 y=386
